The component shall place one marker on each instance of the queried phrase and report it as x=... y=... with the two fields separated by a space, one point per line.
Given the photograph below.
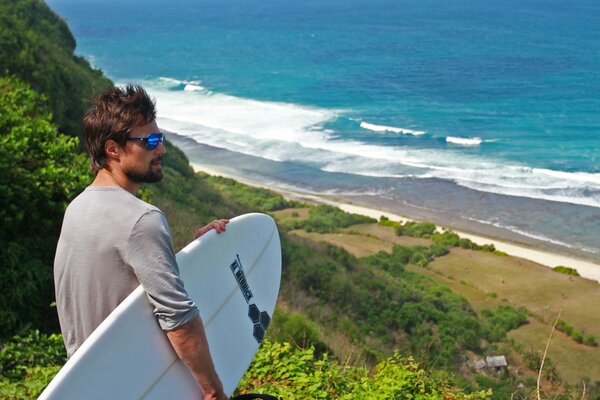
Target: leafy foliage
x=575 y=334
x=40 y=172
x=324 y=219
x=297 y=329
x=428 y=230
x=250 y=197
x=280 y=370
x=502 y=320
x=415 y=229
x=38 y=48
x=566 y=270
x=376 y=297
x=28 y=364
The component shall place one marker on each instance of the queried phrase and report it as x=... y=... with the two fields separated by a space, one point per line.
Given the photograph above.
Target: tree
x=37 y=46
x=40 y=172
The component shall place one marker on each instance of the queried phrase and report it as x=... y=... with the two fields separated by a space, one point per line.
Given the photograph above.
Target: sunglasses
x=152 y=140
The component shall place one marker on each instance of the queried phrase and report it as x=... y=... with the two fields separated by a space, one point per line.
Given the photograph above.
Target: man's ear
x=112 y=150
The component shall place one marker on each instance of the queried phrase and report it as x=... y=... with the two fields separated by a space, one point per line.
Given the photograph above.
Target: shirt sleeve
x=150 y=254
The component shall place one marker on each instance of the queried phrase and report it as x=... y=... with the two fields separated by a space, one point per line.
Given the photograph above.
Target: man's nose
x=161 y=149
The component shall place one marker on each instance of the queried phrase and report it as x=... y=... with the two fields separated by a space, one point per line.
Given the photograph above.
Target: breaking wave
x=297 y=133
x=393 y=129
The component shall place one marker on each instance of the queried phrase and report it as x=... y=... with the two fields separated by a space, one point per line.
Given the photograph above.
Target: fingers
x=219 y=225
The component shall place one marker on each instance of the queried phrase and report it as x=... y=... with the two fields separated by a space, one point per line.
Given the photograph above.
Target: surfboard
x=233 y=277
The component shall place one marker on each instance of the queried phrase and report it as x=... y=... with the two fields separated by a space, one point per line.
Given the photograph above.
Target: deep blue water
x=473 y=112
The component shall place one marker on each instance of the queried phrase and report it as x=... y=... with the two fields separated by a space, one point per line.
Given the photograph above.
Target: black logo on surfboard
x=260 y=319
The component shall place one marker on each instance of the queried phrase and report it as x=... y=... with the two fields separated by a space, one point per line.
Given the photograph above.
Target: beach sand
x=585 y=268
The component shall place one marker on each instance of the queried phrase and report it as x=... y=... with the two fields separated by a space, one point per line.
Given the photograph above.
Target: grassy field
x=487 y=281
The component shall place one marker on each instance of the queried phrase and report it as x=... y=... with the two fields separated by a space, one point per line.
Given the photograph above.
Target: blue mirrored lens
x=153 y=140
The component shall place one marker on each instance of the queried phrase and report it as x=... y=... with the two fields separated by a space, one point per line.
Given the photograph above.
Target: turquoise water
x=484 y=115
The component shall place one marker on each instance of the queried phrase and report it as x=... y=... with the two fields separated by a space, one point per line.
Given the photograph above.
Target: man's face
x=141 y=165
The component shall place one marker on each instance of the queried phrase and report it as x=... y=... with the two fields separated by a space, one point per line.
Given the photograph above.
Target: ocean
x=483 y=116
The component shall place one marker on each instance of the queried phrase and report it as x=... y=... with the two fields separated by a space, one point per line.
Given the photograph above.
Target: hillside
x=38 y=47
x=489 y=281
x=366 y=313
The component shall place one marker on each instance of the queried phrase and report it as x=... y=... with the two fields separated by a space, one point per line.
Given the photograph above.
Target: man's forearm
x=190 y=344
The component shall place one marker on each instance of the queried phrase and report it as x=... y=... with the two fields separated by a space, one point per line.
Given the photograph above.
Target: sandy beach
x=585 y=268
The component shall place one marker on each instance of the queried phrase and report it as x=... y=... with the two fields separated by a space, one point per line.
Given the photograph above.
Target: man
x=111 y=241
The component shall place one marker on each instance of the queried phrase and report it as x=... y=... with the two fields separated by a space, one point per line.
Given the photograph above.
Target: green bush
x=576 y=335
x=415 y=229
x=325 y=219
x=590 y=340
x=282 y=371
x=438 y=250
x=446 y=239
x=249 y=197
x=296 y=329
x=467 y=244
x=385 y=221
x=502 y=389
x=40 y=172
x=502 y=320
x=38 y=47
x=566 y=270
x=28 y=364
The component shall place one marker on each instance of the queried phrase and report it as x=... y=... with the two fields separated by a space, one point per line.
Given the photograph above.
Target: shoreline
x=586 y=269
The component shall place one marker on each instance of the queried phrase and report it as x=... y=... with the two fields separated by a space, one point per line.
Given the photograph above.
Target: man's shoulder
x=113 y=200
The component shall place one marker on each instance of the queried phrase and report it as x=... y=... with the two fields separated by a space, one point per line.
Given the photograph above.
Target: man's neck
x=107 y=178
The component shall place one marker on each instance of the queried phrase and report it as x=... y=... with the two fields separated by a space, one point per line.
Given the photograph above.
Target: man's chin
x=151 y=176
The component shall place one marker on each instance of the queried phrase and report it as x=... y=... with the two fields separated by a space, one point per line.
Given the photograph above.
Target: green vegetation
x=38 y=48
x=28 y=364
x=40 y=172
x=249 y=197
x=533 y=360
x=566 y=270
x=44 y=90
x=325 y=219
x=297 y=329
x=579 y=337
x=280 y=370
x=428 y=230
x=375 y=297
x=502 y=320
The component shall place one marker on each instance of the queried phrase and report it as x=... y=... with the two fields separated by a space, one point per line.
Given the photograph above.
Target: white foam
x=384 y=128
x=193 y=88
x=168 y=80
x=296 y=133
x=583 y=177
x=536 y=236
x=464 y=141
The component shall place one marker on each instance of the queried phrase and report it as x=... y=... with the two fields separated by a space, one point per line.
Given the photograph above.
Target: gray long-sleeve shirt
x=110 y=243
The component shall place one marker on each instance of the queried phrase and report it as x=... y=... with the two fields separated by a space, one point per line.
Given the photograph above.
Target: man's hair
x=113 y=115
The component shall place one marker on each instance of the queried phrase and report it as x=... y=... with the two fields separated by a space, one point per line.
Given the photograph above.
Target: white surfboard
x=234 y=279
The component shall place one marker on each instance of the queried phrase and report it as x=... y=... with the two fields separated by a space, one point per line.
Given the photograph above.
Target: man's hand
x=189 y=342
x=218 y=225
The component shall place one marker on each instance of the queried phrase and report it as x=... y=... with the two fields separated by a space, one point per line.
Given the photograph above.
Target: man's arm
x=190 y=344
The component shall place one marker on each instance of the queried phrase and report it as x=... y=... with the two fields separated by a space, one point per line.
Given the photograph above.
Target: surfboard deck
x=234 y=280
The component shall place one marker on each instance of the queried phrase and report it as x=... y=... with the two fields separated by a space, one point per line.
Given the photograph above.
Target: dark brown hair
x=113 y=115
